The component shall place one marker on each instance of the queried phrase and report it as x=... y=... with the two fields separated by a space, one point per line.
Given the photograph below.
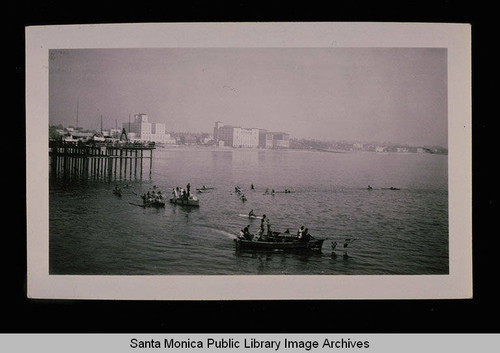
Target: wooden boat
x=204 y=188
x=190 y=200
x=278 y=242
x=155 y=203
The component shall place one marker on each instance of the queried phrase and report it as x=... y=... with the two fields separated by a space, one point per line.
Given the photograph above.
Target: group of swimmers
x=118 y=190
x=237 y=189
x=267 y=192
x=274 y=192
x=391 y=188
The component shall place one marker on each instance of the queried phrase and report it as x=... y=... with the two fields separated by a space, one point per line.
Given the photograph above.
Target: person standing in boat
x=188 y=187
x=262 y=222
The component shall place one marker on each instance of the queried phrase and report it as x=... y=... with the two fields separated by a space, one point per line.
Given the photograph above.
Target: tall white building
x=236 y=136
x=142 y=130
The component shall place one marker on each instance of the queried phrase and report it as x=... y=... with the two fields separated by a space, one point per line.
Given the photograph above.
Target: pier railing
x=125 y=161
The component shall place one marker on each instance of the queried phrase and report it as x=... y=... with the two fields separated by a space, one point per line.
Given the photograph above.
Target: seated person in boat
x=251 y=213
x=305 y=236
x=300 y=231
x=246 y=233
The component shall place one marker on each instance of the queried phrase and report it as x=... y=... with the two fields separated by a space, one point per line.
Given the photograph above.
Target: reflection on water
x=93 y=231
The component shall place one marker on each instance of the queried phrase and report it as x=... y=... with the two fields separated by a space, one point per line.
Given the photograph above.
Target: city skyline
x=359 y=94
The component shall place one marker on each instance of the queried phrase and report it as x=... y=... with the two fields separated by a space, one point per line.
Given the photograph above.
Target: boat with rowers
x=250 y=216
x=204 y=188
x=278 y=242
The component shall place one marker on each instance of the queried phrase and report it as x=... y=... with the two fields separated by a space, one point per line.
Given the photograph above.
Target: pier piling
x=99 y=162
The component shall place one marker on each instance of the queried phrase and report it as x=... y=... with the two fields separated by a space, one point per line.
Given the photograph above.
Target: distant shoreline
x=228 y=148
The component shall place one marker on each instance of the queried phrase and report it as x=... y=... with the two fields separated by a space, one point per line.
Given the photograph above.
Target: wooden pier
x=124 y=161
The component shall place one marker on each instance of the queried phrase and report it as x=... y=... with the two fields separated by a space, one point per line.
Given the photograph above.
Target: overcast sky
x=396 y=95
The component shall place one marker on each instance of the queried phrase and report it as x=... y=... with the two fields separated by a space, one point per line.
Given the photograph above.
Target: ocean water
x=94 y=232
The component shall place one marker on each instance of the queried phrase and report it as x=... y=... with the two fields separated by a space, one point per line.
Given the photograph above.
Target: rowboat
x=155 y=203
x=203 y=188
x=278 y=243
x=248 y=216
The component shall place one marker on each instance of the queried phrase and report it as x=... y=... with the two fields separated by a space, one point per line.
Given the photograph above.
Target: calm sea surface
x=94 y=232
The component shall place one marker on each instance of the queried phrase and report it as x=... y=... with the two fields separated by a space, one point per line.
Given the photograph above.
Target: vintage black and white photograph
x=262 y=163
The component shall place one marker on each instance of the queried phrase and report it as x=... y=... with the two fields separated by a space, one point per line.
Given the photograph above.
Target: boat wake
x=219 y=231
x=226 y=234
